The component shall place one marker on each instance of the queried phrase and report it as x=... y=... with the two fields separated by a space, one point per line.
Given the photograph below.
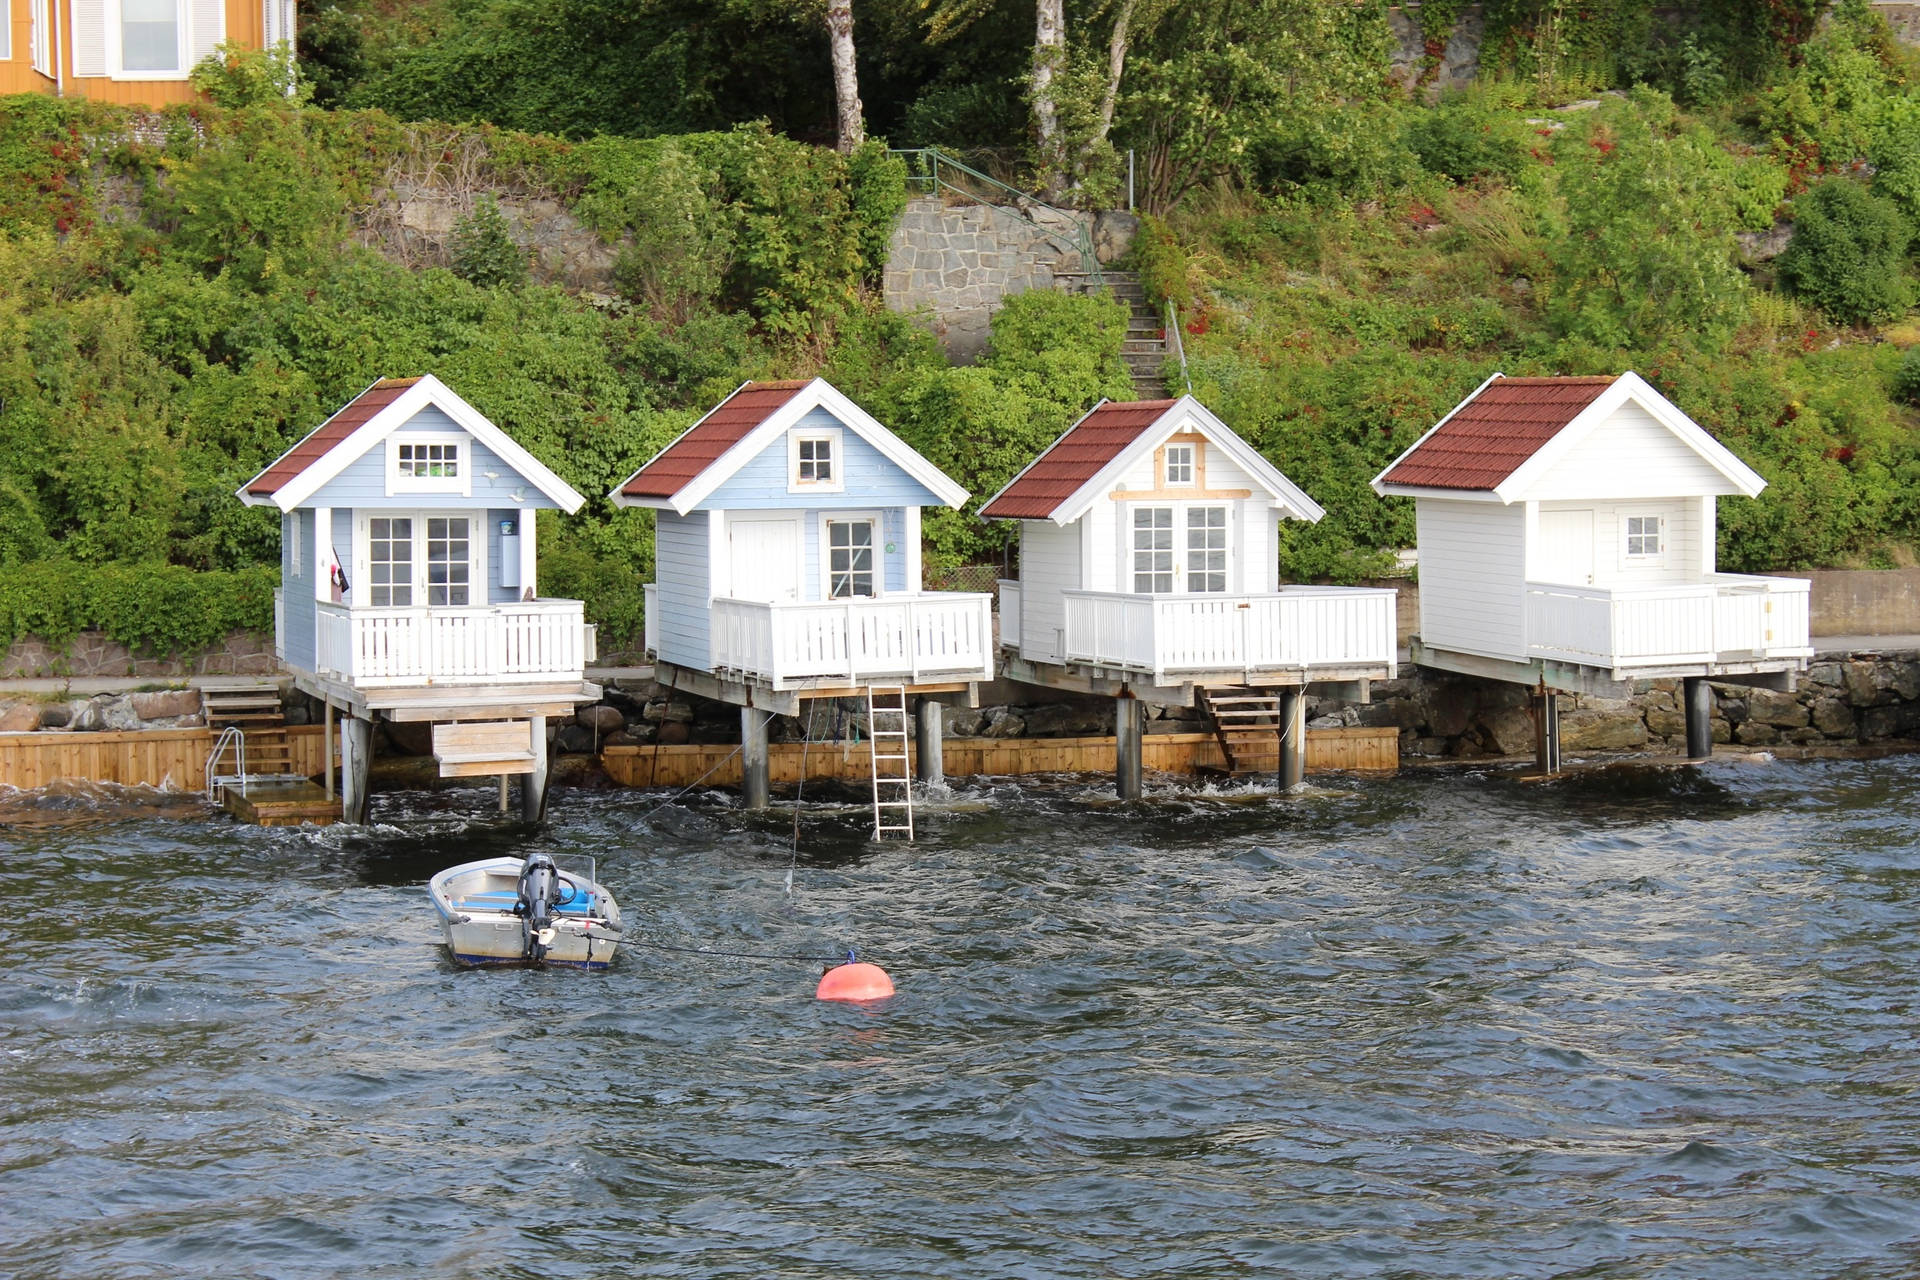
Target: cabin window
x=850 y=563
x=428 y=464
x=390 y=562
x=1179 y=466
x=37 y=39
x=1206 y=548
x=150 y=35
x=6 y=31
x=1153 y=549
x=449 y=561
x=814 y=461
x=1644 y=537
x=293 y=548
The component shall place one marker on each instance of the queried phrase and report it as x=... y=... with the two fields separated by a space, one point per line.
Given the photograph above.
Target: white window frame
x=1188 y=460
x=1627 y=535
x=836 y=482
x=294 y=520
x=1181 y=547
x=1133 y=549
x=6 y=30
x=479 y=585
x=830 y=518
x=1226 y=547
x=461 y=482
x=39 y=43
x=183 y=42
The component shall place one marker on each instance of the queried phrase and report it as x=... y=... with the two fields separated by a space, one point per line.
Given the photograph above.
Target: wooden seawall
x=1354 y=750
x=137 y=757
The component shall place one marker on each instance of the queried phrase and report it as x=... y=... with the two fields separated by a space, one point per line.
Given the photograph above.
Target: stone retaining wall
x=91 y=654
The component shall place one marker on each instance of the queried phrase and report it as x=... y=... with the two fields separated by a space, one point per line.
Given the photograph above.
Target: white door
x=763 y=558
x=1566 y=548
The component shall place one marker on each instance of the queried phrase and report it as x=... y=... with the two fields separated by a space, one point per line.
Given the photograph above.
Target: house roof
x=1493 y=432
x=1085 y=464
x=1075 y=458
x=350 y=417
x=700 y=445
x=704 y=456
x=1502 y=442
x=369 y=418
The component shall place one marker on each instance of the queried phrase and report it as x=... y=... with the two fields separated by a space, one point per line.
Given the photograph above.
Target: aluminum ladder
x=887 y=730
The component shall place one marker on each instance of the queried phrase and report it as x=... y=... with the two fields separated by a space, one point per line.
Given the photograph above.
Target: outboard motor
x=539 y=886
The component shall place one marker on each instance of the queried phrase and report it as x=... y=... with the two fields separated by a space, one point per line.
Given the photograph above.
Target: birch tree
x=846 y=83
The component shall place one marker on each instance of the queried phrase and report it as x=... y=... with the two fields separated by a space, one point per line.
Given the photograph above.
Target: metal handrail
x=231 y=734
x=1179 y=343
x=932 y=158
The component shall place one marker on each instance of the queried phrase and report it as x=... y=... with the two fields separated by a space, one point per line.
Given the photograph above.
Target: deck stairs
x=250 y=734
x=887 y=730
x=1145 y=347
x=484 y=748
x=1247 y=724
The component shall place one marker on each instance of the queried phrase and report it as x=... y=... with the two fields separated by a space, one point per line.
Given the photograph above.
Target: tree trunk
x=846 y=84
x=1049 y=55
x=1116 y=66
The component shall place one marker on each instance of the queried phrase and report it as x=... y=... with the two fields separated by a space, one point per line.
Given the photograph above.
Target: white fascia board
x=1379 y=482
x=1036 y=462
x=1631 y=386
x=627 y=500
x=818 y=394
x=1185 y=412
x=429 y=390
x=1432 y=491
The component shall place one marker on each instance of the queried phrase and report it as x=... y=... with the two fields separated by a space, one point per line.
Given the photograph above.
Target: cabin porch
x=527 y=642
x=1727 y=621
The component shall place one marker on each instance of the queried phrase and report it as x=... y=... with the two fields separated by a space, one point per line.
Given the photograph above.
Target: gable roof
x=1510 y=431
x=371 y=417
x=734 y=432
x=1085 y=463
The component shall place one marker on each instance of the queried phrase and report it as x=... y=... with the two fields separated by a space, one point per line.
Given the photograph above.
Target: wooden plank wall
x=1355 y=750
x=150 y=757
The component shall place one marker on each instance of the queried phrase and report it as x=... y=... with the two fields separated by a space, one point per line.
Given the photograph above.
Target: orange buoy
x=854 y=980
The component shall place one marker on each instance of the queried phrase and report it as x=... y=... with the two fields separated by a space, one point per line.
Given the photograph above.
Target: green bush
x=1464 y=138
x=484 y=251
x=1848 y=253
x=234 y=75
x=1906 y=383
x=150 y=608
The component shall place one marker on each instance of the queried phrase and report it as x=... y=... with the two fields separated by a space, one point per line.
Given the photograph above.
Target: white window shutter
x=89 y=37
x=207 y=27
x=277 y=21
x=6 y=32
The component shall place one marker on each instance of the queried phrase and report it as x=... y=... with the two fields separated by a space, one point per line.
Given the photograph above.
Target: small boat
x=502 y=911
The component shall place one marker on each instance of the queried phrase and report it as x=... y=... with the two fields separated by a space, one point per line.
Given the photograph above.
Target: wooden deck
x=1328 y=750
x=284 y=804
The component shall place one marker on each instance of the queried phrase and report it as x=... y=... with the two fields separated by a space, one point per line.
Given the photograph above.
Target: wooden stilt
x=1127 y=747
x=326 y=748
x=1698 y=695
x=930 y=763
x=755 y=781
x=356 y=763
x=1293 y=738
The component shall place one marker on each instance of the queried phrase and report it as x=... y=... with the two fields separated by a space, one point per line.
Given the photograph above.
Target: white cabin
x=1567 y=526
x=1149 y=549
x=787 y=554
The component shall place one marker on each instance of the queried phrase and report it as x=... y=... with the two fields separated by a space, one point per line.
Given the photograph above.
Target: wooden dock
x=1328 y=750
x=283 y=804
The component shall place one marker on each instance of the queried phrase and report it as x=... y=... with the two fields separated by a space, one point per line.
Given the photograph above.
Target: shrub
x=1906 y=382
x=484 y=251
x=234 y=75
x=150 y=608
x=1463 y=139
x=1848 y=253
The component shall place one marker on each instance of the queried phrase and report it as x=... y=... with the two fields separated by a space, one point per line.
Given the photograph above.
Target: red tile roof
x=729 y=423
x=1492 y=434
x=1074 y=459
x=328 y=434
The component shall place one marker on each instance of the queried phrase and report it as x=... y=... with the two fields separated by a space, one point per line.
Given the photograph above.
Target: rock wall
x=91 y=654
x=153 y=709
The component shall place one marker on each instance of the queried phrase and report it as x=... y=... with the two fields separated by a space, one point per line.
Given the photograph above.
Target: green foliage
x=1848 y=253
x=1465 y=138
x=1163 y=264
x=236 y=75
x=1906 y=383
x=484 y=250
x=151 y=608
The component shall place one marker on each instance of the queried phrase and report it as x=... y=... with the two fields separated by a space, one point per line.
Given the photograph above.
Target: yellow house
x=135 y=52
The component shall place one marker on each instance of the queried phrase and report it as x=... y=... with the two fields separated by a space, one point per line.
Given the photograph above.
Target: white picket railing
x=935 y=636
x=1293 y=629
x=1728 y=618
x=530 y=641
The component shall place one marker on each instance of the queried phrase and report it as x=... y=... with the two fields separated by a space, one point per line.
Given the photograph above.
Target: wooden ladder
x=887 y=729
x=1247 y=723
x=254 y=709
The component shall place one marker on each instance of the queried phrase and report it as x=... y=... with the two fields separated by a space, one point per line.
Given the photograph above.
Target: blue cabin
x=787 y=553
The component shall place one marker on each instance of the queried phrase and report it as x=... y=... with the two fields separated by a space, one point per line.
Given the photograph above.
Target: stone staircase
x=1247 y=724
x=1145 y=348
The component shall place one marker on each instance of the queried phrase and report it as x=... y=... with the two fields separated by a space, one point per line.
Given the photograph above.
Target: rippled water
x=1634 y=1024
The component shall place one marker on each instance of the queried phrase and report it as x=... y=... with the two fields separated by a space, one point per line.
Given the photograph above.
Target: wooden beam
x=1100 y=683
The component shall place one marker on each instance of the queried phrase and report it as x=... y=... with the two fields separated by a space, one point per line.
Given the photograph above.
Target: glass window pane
x=150 y=35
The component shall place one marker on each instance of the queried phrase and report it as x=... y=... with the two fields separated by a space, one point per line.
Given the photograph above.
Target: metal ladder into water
x=887 y=730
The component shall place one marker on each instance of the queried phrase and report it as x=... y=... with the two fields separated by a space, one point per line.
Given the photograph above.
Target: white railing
x=651 y=592
x=1729 y=618
x=1293 y=629
x=279 y=625
x=936 y=636
x=1010 y=627
x=530 y=641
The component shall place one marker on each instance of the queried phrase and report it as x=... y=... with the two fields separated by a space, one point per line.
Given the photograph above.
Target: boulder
x=960 y=722
x=1003 y=723
x=19 y=717
x=1602 y=729
x=1869 y=684
x=1447 y=709
x=1756 y=733
x=106 y=713
x=56 y=715
x=573 y=739
x=1113 y=234
x=1664 y=722
x=1781 y=710
x=301 y=714
x=1877 y=723
x=166 y=704
x=674 y=733
x=620 y=738
x=1059 y=720
x=1833 y=717
x=1827 y=674
x=600 y=718
x=1508 y=731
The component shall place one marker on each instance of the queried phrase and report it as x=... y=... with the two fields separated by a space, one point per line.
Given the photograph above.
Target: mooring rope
x=806 y=745
x=742 y=955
